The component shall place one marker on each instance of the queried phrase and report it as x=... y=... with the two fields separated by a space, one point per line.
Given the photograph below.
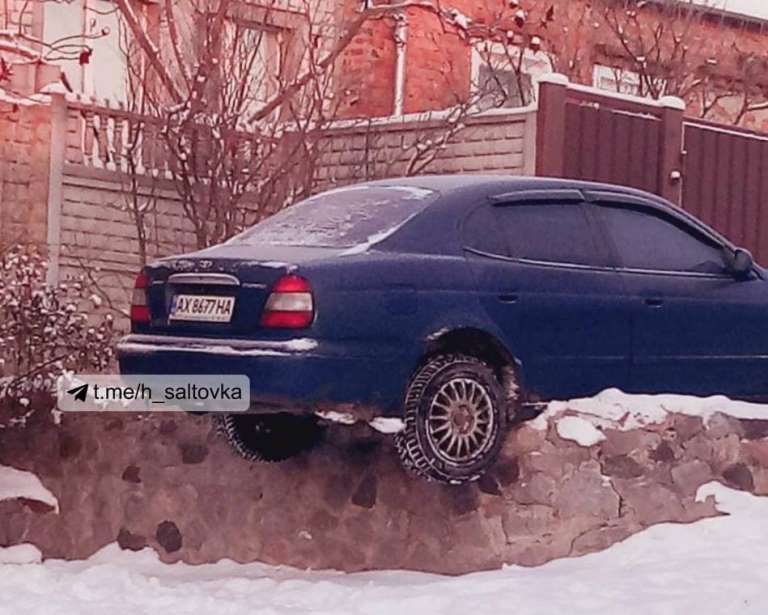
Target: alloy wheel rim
x=460 y=421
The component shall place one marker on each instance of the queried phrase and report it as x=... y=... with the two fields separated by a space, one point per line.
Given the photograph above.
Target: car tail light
x=139 y=307
x=289 y=305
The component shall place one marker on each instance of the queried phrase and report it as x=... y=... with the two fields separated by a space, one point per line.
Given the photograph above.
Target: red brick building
x=425 y=58
x=437 y=54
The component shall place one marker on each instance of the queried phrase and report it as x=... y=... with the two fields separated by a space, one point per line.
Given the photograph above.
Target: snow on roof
x=15 y=99
x=750 y=8
x=10 y=44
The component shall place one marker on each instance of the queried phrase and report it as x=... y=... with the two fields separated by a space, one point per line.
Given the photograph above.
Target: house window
x=615 y=79
x=626 y=81
x=503 y=78
x=104 y=73
x=253 y=63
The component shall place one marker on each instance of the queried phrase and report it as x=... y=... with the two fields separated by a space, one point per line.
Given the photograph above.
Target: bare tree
x=231 y=163
x=20 y=22
x=685 y=49
x=244 y=110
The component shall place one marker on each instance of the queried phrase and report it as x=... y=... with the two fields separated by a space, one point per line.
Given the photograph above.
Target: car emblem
x=183 y=265
x=205 y=264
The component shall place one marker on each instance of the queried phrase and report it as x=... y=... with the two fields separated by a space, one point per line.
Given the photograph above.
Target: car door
x=546 y=283
x=696 y=328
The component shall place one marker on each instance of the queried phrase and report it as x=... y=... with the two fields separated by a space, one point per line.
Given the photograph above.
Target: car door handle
x=508 y=298
x=654 y=302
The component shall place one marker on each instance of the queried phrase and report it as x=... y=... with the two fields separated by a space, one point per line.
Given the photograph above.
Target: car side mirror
x=739 y=263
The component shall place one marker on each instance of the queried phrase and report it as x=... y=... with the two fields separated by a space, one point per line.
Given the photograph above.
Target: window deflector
x=690 y=225
x=532 y=197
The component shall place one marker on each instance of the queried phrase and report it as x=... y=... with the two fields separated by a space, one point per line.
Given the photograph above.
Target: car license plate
x=202 y=308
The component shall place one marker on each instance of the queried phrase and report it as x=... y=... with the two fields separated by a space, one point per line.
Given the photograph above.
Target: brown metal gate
x=716 y=172
x=586 y=134
x=726 y=182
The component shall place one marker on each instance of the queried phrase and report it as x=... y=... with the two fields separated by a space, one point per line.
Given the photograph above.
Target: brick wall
x=370 y=53
x=22 y=14
x=439 y=54
x=25 y=132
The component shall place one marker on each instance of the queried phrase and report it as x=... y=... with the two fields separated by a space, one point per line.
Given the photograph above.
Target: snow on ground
x=579 y=430
x=712 y=567
x=20 y=484
x=619 y=410
x=20 y=554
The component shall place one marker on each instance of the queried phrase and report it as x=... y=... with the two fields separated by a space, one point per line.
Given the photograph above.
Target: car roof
x=459 y=187
x=445 y=184
x=456 y=190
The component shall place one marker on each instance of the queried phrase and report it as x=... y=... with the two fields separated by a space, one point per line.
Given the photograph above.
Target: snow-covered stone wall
x=565 y=485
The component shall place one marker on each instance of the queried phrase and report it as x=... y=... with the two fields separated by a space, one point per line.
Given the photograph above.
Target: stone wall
x=99 y=232
x=25 y=133
x=171 y=482
x=501 y=142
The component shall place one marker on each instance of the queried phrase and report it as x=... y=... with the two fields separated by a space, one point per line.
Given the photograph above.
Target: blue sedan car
x=453 y=303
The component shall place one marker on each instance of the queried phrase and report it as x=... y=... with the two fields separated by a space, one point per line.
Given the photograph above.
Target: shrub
x=45 y=330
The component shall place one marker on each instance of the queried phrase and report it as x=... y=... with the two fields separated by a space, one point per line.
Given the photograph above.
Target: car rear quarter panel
x=391 y=305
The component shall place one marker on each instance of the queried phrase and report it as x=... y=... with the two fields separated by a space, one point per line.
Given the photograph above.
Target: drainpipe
x=84 y=26
x=401 y=46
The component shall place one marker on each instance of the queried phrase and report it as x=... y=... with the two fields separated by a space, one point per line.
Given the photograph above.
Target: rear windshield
x=341 y=218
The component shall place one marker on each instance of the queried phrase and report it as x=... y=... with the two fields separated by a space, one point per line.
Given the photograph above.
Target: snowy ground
x=21 y=484
x=713 y=567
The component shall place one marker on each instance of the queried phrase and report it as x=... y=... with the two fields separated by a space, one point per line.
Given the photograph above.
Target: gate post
x=550 y=126
x=671 y=149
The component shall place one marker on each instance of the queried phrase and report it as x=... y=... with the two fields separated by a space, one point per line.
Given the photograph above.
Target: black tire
x=270 y=437
x=433 y=413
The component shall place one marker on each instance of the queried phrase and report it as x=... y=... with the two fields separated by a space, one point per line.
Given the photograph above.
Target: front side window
x=646 y=240
x=554 y=233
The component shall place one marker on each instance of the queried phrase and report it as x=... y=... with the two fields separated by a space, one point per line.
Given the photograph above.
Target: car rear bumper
x=300 y=375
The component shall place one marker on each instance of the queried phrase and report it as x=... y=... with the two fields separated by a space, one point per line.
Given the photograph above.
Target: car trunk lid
x=238 y=278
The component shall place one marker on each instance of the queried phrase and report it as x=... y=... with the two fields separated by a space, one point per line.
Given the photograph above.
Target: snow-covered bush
x=45 y=330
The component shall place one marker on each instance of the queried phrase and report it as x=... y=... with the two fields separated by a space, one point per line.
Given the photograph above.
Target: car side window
x=648 y=240
x=549 y=232
x=481 y=231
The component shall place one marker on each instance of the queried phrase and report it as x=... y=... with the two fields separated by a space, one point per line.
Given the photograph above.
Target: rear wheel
x=270 y=437
x=455 y=419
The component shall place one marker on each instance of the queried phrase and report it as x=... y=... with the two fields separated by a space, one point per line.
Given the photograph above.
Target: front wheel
x=455 y=419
